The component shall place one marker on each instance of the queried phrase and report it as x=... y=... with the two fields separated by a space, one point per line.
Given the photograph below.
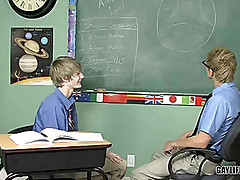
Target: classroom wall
x=136 y=129
x=133 y=129
x=19 y=103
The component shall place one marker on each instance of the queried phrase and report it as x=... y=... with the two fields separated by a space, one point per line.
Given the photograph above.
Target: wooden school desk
x=48 y=158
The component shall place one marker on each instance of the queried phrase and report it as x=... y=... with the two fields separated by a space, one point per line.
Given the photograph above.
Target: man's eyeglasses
x=204 y=63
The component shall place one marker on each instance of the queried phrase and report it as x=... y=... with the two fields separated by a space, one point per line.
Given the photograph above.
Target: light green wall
x=133 y=129
x=19 y=103
x=136 y=129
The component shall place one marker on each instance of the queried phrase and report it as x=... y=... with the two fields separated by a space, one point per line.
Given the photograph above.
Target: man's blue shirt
x=53 y=112
x=220 y=111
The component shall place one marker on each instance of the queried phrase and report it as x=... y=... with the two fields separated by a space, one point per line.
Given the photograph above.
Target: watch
x=32 y=8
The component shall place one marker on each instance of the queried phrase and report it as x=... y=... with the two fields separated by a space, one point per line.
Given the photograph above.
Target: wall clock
x=32 y=8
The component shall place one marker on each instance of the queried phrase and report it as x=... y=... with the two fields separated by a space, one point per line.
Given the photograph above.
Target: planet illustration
x=28 y=35
x=31 y=47
x=36 y=81
x=28 y=63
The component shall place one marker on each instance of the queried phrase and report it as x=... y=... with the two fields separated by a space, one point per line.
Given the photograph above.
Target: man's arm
x=200 y=140
x=186 y=135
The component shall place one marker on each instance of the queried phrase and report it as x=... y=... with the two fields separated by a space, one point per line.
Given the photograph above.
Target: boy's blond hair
x=63 y=67
x=223 y=62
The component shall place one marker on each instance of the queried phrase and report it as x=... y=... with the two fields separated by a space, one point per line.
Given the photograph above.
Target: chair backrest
x=230 y=149
x=17 y=130
x=21 y=129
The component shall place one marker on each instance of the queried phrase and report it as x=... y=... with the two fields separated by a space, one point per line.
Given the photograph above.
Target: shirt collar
x=223 y=87
x=67 y=102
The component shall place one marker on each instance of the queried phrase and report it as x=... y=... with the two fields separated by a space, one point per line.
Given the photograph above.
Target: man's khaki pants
x=158 y=167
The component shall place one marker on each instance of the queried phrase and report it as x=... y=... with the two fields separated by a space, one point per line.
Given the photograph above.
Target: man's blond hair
x=63 y=67
x=223 y=62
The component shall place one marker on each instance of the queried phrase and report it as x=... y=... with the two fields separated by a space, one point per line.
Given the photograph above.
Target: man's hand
x=114 y=157
x=170 y=145
x=200 y=140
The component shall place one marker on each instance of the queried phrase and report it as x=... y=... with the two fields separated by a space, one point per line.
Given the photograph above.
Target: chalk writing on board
x=185 y=25
x=114 y=6
x=108 y=46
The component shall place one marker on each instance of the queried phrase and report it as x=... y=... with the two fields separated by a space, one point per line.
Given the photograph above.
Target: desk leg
x=89 y=175
x=101 y=172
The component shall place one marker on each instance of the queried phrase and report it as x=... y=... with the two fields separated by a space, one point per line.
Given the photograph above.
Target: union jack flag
x=152 y=99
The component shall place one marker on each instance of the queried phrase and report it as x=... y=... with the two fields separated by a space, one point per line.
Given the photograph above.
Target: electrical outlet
x=130 y=160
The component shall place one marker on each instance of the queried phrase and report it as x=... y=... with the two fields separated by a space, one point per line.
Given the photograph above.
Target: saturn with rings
x=31 y=47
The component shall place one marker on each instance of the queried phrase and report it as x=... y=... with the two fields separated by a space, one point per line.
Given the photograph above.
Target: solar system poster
x=31 y=55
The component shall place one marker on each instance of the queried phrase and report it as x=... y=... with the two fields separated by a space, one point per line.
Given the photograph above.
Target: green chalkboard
x=153 y=45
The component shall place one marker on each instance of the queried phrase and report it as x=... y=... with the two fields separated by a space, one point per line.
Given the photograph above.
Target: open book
x=53 y=135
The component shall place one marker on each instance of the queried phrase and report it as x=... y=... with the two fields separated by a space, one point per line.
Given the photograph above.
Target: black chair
x=21 y=129
x=230 y=151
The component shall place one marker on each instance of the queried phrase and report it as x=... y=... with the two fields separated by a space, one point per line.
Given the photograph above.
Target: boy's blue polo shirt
x=53 y=112
x=220 y=111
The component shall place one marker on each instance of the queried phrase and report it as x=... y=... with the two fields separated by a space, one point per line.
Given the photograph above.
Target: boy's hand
x=114 y=157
